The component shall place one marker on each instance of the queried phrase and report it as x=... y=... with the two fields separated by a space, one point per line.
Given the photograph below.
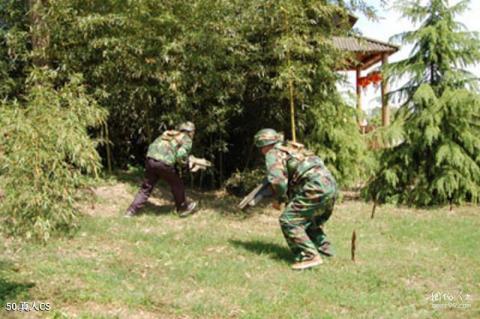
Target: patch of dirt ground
x=112 y=200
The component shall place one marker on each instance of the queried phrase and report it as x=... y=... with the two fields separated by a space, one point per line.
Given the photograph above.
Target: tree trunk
x=384 y=89
x=38 y=31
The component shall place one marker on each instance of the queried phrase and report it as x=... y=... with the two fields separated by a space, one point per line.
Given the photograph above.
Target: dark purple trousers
x=155 y=170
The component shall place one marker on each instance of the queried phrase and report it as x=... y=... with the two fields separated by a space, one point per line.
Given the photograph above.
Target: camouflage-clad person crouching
x=300 y=179
x=164 y=155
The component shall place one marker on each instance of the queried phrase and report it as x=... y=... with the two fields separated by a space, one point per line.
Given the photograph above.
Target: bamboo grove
x=86 y=85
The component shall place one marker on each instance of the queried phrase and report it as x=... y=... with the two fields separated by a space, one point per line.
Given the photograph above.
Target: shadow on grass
x=10 y=290
x=154 y=209
x=220 y=202
x=272 y=250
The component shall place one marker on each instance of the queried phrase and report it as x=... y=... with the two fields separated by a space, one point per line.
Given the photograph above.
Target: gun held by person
x=195 y=163
x=260 y=192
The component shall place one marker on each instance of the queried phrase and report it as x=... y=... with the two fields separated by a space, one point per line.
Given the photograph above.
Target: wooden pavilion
x=366 y=53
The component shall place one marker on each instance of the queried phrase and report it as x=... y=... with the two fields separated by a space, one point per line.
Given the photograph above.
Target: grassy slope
x=218 y=264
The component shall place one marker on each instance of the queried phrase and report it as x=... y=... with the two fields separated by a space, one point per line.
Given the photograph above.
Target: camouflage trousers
x=310 y=206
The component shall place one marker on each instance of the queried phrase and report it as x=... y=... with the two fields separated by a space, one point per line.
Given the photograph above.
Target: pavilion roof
x=367 y=51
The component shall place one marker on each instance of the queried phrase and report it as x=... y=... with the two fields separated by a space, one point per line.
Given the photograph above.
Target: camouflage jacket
x=287 y=164
x=172 y=147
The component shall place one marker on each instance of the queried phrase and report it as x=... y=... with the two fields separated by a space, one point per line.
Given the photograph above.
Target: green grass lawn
x=222 y=264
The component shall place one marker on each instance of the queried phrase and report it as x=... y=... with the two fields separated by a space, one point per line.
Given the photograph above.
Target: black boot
x=189 y=210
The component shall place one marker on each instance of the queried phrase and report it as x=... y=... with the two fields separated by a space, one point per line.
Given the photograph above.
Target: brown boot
x=307 y=263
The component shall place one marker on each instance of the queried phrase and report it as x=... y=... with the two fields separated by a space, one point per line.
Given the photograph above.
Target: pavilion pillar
x=384 y=89
x=359 y=94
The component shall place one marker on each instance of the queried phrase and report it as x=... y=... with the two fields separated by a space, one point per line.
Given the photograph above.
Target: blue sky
x=391 y=23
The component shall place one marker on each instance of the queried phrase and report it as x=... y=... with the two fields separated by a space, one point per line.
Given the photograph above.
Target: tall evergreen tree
x=442 y=48
x=437 y=159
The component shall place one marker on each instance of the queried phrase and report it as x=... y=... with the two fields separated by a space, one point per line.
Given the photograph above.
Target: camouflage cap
x=187 y=126
x=267 y=136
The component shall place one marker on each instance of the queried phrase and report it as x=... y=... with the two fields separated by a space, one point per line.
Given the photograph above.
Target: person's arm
x=184 y=150
x=277 y=174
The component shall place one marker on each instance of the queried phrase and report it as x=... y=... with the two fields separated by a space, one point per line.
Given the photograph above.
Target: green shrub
x=240 y=183
x=46 y=149
x=438 y=160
